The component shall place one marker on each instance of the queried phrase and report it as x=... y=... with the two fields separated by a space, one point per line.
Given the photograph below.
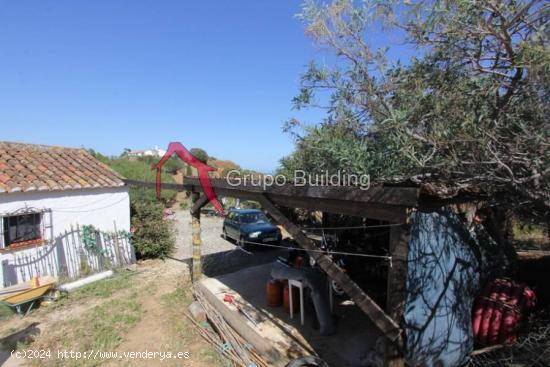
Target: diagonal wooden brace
x=198 y=204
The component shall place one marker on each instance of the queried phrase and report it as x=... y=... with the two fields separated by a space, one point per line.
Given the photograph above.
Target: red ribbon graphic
x=202 y=169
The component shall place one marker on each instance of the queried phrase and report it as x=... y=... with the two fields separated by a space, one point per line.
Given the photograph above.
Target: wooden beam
x=358 y=204
x=385 y=323
x=388 y=213
x=199 y=204
x=153 y=185
x=389 y=195
x=397 y=291
x=377 y=204
x=196 y=270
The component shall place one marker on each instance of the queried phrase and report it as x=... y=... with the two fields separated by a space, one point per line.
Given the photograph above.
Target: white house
x=155 y=152
x=49 y=196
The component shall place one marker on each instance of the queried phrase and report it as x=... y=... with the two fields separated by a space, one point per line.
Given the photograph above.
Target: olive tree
x=471 y=108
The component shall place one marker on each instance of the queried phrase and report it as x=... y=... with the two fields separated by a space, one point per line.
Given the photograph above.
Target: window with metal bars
x=21 y=229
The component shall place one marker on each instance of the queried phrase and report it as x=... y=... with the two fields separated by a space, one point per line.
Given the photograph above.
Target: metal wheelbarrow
x=26 y=297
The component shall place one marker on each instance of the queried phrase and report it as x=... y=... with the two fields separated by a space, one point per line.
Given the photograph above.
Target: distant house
x=155 y=152
x=47 y=196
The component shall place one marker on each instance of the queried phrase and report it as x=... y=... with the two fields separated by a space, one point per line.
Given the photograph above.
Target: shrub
x=153 y=237
x=143 y=169
x=200 y=154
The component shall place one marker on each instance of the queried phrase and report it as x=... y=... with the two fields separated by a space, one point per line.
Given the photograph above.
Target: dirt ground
x=139 y=309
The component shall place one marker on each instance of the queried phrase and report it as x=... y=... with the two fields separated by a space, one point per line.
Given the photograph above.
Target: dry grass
x=176 y=304
x=131 y=311
x=530 y=237
x=102 y=328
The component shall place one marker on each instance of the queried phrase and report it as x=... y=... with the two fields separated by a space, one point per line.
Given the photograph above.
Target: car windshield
x=253 y=218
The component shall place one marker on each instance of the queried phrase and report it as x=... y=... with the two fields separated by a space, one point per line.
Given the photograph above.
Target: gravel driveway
x=219 y=255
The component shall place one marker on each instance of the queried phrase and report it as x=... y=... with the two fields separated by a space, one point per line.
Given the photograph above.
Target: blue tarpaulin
x=442 y=282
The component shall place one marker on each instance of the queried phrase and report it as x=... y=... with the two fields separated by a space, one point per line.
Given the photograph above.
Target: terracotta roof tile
x=30 y=167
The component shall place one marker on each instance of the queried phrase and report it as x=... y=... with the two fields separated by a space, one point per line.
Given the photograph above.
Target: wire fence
x=532 y=349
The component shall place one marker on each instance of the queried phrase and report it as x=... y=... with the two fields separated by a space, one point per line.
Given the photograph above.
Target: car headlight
x=254 y=234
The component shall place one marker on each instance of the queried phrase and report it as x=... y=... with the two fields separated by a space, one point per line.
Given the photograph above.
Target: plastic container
x=295 y=299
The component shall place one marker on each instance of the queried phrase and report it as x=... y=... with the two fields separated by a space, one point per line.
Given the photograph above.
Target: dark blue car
x=249 y=225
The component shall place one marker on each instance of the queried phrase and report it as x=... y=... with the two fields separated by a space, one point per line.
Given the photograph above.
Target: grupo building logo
x=202 y=169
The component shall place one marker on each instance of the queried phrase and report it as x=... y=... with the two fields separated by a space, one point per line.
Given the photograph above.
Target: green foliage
x=152 y=237
x=173 y=165
x=531 y=237
x=6 y=312
x=89 y=239
x=329 y=147
x=100 y=157
x=200 y=154
x=471 y=108
x=143 y=169
x=249 y=204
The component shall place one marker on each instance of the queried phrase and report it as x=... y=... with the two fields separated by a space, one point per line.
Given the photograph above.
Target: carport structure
x=390 y=203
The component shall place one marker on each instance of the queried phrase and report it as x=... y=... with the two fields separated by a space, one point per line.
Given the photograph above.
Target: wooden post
x=196 y=270
x=397 y=291
x=118 y=255
x=384 y=322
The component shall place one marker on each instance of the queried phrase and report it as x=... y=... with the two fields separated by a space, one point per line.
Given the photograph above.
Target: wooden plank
x=266 y=349
x=397 y=291
x=153 y=185
x=389 y=213
x=384 y=322
x=196 y=270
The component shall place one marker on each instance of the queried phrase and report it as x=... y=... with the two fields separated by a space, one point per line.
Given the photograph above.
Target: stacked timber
x=223 y=337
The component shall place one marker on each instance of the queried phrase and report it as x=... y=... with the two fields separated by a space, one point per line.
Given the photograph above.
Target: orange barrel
x=274 y=292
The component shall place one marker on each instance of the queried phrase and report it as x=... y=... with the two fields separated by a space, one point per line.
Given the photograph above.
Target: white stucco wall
x=100 y=207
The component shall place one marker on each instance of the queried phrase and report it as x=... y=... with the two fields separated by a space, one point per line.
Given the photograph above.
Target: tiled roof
x=30 y=167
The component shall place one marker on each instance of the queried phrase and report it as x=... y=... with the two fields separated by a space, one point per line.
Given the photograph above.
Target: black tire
x=309 y=361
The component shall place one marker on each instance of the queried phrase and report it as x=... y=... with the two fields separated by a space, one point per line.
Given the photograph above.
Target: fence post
x=118 y=259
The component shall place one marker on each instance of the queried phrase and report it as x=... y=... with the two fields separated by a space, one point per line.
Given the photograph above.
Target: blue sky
x=113 y=74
